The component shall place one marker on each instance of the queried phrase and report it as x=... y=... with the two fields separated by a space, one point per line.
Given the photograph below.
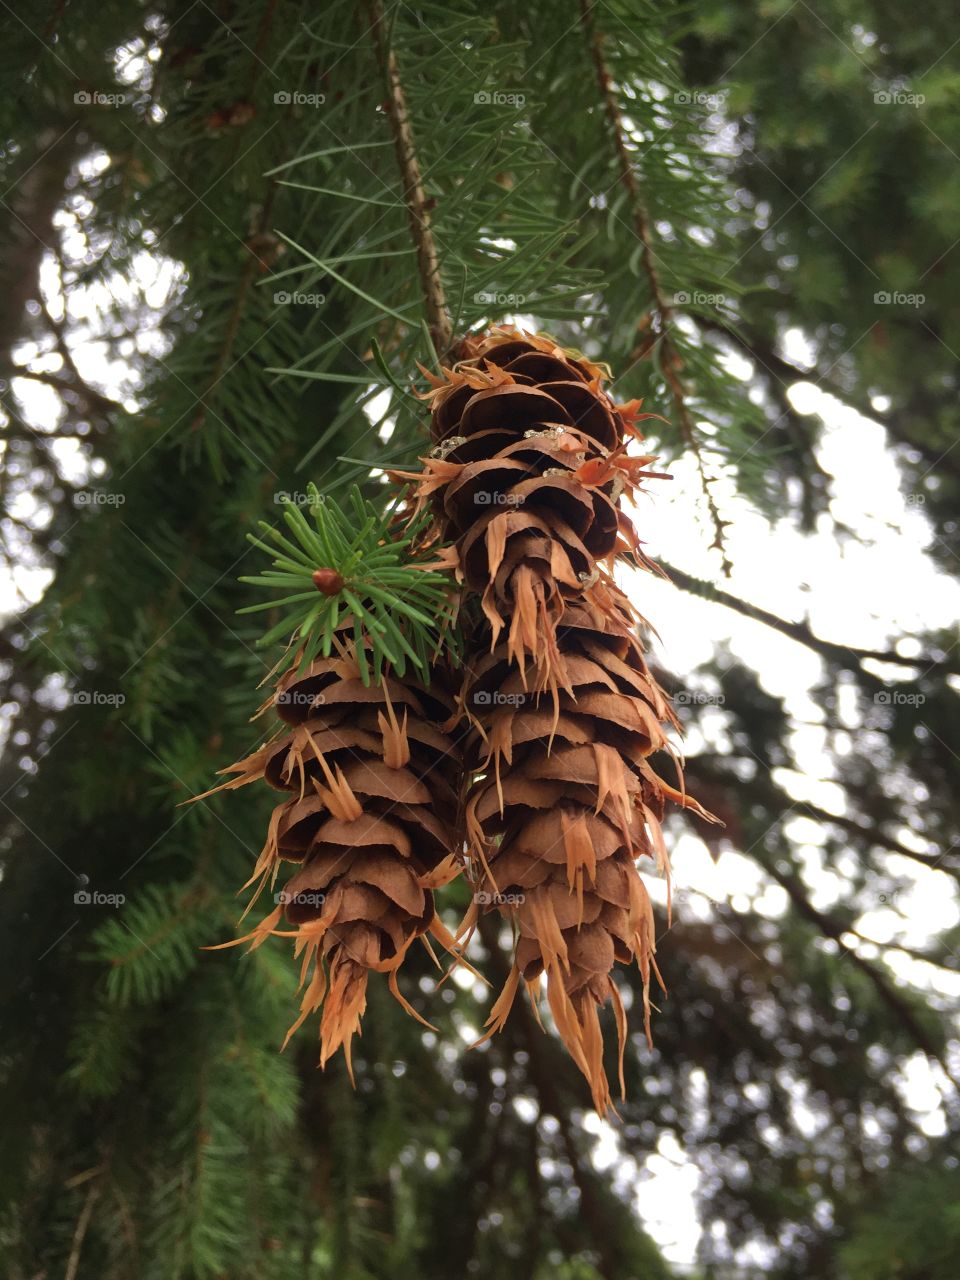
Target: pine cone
x=564 y=804
x=371 y=823
x=526 y=478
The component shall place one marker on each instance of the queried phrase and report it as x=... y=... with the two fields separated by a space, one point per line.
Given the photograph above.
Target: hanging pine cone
x=369 y=822
x=525 y=478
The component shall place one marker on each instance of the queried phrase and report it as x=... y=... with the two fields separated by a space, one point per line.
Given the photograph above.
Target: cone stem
x=415 y=197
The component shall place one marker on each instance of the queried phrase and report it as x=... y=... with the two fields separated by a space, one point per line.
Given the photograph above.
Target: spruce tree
x=241 y=244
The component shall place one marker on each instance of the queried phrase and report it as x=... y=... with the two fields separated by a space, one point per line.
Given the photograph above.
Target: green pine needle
x=402 y=613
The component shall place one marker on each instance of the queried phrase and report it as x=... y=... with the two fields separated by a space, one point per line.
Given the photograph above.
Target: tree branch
x=670 y=360
x=870 y=834
x=777 y=370
x=834 y=929
x=253 y=265
x=415 y=197
x=96 y=402
x=38 y=195
x=83 y=1222
x=847 y=656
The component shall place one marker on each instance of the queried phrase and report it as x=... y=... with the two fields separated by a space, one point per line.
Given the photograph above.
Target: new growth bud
x=328 y=581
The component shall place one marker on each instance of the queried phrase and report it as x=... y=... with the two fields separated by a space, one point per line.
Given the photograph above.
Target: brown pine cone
x=526 y=477
x=370 y=822
x=564 y=803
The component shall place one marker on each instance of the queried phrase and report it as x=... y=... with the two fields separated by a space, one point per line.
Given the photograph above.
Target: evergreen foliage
x=376 y=571
x=214 y=294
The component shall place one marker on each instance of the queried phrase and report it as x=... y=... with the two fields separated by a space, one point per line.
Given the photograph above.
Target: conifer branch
x=83 y=1222
x=898 y=1005
x=849 y=657
x=253 y=265
x=98 y=402
x=670 y=360
x=875 y=836
x=352 y=566
x=95 y=400
x=414 y=194
x=32 y=231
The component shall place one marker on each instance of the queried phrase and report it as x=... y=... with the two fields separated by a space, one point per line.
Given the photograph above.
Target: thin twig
x=670 y=360
x=253 y=265
x=898 y=1005
x=83 y=1222
x=414 y=194
x=95 y=400
x=847 y=656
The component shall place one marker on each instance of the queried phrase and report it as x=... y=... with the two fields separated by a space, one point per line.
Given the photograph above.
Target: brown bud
x=328 y=581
